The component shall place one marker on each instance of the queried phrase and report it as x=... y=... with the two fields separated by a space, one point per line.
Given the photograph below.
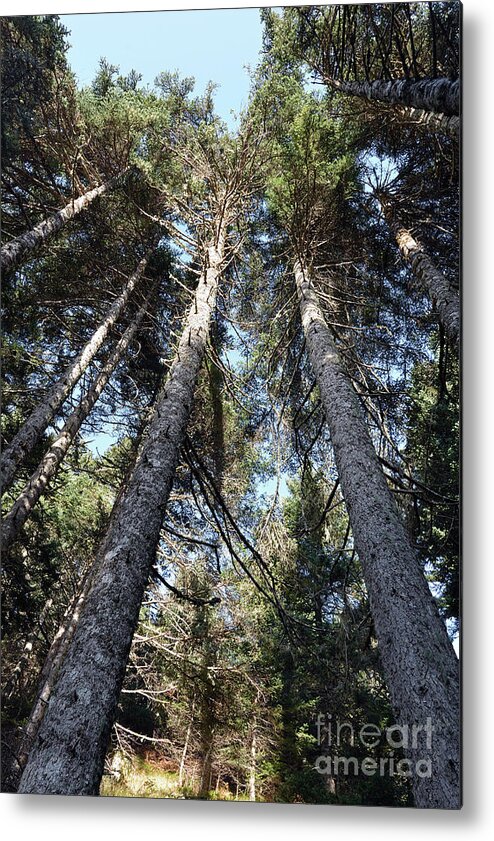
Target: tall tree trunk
x=206 y=733
x=183 y=759
x=51 y=669
x=442 y=123
x=48 y=468
x=419 y=662
x=215 y=376
x=68 y=755
x=17 y=250
x=207 y=694
x=16 y=678
x=442 y=96
x=253 y=761
x=445 y=299
x=32 y=430
x=290 y=760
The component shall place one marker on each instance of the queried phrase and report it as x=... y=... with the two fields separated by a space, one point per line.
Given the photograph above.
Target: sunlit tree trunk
x=442 y=123
x=16 y=679
x=51 y=669
x=32 y=430
x=183 y=759
x=68 y=755
x=441 y=96
x=15 y=252
x=445 y=299
x=206 y=752
x=48 y=468
x=253 y=761
x=420 y=665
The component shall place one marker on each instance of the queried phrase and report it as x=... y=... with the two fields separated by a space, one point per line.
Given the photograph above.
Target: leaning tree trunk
x=440 y=97
x=23 y=247
x=442 y=123
x=445 y=299
x=183 y=759
x=34 y=427
x=253 y=760
x=68 y=755
x=16 y=679
x=419 y=662
x=48 y=468
x=51 y=668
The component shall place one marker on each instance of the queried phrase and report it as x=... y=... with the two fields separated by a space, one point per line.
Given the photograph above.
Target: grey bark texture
x=23 y=247
x=420 y=665
x=68 y=755
x=441 y=123
x=32 y=430
x=442 y=96
x=48 y=467
x=445 y=299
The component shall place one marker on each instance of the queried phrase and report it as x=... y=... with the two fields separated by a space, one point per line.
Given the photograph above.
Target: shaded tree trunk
x=207 y=719
x=16 y=679
x=215 y=376
x=445 y=299
x=289 y=756
x=48 y=468
x=32 y=430
x=51 y=669
x=206 y=735
x=441 y=96
x=419 y=662
x=68 y=755
x=23 y=247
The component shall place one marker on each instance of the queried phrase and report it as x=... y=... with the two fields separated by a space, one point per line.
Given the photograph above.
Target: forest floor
x=145 y=777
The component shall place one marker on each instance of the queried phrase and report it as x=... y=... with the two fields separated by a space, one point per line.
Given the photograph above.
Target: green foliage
x=433 y=446
x=33 y=56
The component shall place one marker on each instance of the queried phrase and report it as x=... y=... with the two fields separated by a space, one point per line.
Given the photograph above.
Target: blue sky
x=211 y=45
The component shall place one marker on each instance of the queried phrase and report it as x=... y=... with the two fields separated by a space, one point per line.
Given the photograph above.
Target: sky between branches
x=211 y=45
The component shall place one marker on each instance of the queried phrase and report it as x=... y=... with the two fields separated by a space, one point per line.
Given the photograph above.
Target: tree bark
x=419 y=662
x=17 y=250
x=68 y=756
x=34 y=427
x=441 y=96
x=441 y=123
x=445 y=299
x=48 y=468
